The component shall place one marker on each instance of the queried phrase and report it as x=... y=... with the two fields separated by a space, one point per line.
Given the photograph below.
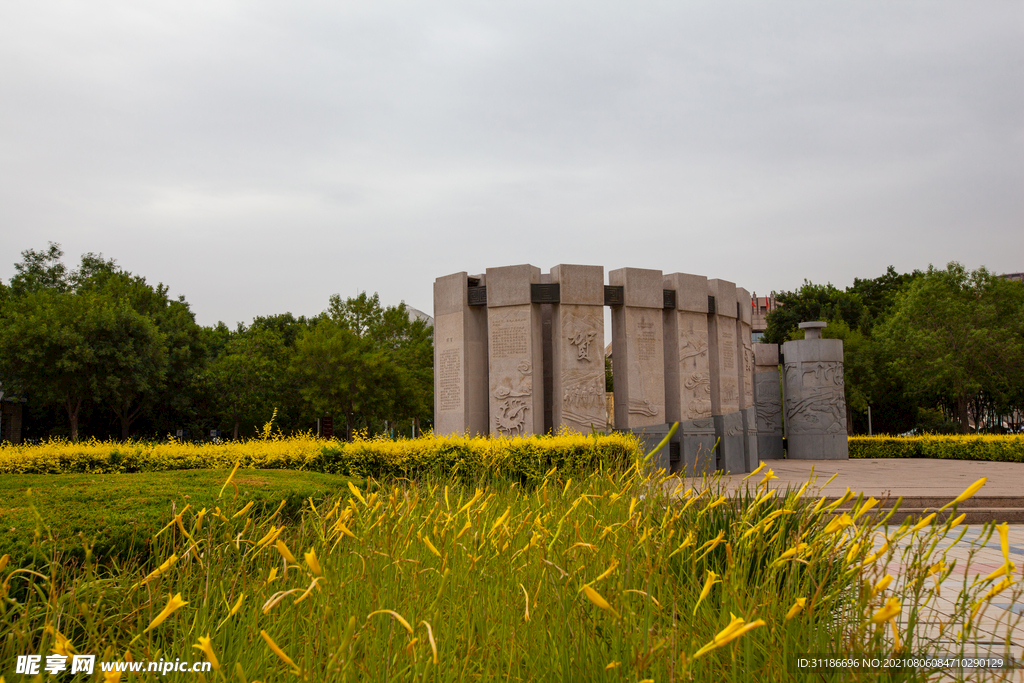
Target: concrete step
x=979 y=510
x=975 y=515
x=932 y=503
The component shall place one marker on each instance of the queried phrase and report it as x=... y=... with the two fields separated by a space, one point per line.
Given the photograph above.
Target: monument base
x=698 y=455
x=769 y=446
x=817 y=447
x=649 y=438
x=751 y=451
x=730 y=434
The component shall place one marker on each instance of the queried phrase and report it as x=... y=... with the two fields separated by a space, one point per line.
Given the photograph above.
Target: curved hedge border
x=996 y=447
x=525 y=459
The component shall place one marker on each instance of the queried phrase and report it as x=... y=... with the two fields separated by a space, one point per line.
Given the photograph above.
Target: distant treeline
x=98 y=351
x=940 y=350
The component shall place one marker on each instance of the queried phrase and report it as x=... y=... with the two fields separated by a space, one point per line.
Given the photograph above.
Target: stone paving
x=897 y=477
x=999 y=628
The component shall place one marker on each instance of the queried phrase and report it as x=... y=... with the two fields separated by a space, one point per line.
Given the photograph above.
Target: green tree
x=175 y=389
x=811 y=302
x=69 y=348
x=406 y=379
x=40 y=270
x=339 y=372
x=245 y=377
x=879 y=294
x=954 y=333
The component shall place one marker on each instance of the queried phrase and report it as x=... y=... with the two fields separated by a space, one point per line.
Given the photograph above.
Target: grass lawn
x=119 y=513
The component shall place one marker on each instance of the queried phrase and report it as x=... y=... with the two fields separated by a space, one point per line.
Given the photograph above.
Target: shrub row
x=525 y=459
x=1002 y=448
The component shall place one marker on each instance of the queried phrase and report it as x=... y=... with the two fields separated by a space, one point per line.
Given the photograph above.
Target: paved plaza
x=894 y=477
x=926 y=485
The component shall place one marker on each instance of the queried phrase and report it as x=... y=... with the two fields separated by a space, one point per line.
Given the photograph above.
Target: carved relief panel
x=694 y=369
x=511 y=370
x=579 y=383
x=768 y=402
x=815 y=400
x=645 y=355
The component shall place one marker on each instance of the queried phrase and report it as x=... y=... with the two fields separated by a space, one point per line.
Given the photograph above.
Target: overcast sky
x=258 y=157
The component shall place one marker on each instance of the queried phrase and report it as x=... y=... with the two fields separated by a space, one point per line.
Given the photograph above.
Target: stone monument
x=638 y=363
x=687 y=371
x=514 y=352
x=519 y=352
x=768 y=401
x=815 y=398
x=460 y=358
x=745 y=371
x=725 y=376
x=577 y=349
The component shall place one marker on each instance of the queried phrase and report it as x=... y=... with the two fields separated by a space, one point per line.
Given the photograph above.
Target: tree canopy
x=920 y=345
x=102 y=344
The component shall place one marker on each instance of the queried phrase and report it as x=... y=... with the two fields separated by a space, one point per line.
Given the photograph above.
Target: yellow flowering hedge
x=524 y=458
x=998 y=447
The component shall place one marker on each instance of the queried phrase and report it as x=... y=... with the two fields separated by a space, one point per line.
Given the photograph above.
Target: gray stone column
x=460 y=358
x=638 y=348
x=577 y=349
x=725 y=387
x=688 y=373
x=815 y=396
x=745 y=371
x=514 y=352
x=638 y=357
x=768 y=401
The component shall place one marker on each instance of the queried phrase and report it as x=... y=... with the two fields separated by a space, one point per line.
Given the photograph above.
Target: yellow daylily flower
x=923 y=523
x=736 y=628
x=759 y=468
x=596 y=598
x=312 y=562
x=395 y=615
x=278 y=651
x=968 y=492
x=173 y=604
x=1004 y=539
x=285 y=553
x=839 y=523
x=207 y=648
x=797 y=607
x=890 y=610
x=710 y=581
x=167 y=564
x=865 y=506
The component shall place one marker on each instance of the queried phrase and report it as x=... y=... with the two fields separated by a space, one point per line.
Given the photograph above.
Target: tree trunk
x=349 y=417
x=236 y=430
x=73 y=408
x=963 y=414
x=127 y=416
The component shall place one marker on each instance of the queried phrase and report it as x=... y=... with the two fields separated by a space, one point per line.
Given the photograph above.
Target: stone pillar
x=546 y=316
x=815 y=396
x=638 y=361
x=745 y=373
x=725 y=389
x=577 y=349
x=768 y=401
x=687 y=372
x=460 y=358
x=515 y=352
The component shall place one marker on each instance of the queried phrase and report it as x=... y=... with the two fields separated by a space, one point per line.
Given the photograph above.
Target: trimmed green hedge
x=996 y=447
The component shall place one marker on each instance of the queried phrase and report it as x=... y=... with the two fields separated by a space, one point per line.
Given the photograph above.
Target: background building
x=759 y=308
